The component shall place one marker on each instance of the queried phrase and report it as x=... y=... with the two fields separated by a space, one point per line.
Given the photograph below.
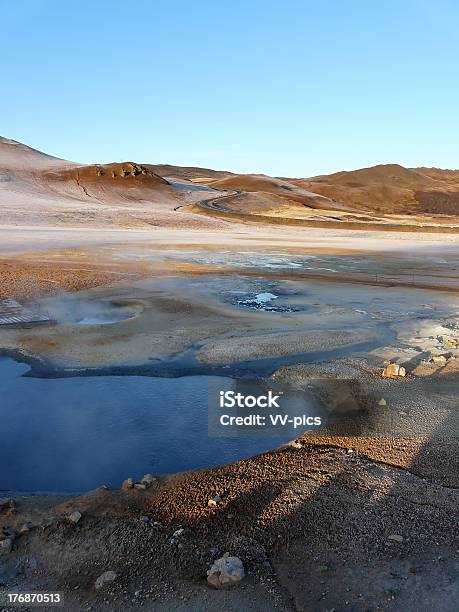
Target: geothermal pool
x=74 y=434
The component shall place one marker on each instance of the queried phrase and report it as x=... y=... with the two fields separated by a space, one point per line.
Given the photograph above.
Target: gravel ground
x=316 y=527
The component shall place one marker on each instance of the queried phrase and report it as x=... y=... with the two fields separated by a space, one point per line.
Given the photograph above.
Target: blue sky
x=289 y=88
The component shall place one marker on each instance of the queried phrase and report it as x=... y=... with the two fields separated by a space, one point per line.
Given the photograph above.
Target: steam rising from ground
x=70 y=309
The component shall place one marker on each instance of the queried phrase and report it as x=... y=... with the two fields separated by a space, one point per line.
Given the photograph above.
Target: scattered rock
x=226 y=571
x=127 y=484
x=393 y=370
x=438 y=360
x=395 y=537
x=213 y=501
x=178 y=533
x=148 y=480
x=75 y=517
x=141 y=485
x=104 y=579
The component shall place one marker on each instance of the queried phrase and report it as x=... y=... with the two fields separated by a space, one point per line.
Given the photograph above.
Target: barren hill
x=118 y=182
x=17 y=158
x=391 y=189
x=276 y=192
x=39 y=189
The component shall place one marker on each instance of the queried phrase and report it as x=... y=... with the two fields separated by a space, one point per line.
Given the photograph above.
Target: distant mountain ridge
x=366 y=195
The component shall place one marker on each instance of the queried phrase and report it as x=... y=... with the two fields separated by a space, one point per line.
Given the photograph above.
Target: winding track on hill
x=213 y=207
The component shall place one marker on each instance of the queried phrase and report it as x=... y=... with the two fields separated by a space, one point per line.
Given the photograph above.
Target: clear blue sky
x=283 y=87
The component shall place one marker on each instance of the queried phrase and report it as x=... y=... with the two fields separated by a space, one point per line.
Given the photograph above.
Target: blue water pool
x=73 y=434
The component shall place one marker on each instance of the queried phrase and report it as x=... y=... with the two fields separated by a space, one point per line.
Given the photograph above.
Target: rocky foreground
x=312 y=526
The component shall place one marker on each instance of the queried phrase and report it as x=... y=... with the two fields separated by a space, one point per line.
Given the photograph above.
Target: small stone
x=226 y=571
x=75 y=517
x=104 y=579
x=382 y=402
x=127 y=484
x=395 y=537
x=148 y=480
x=393 y=370
x=178 y=533
x=438 y=360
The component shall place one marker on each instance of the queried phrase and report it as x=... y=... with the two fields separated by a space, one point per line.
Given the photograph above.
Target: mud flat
x=358 y=517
